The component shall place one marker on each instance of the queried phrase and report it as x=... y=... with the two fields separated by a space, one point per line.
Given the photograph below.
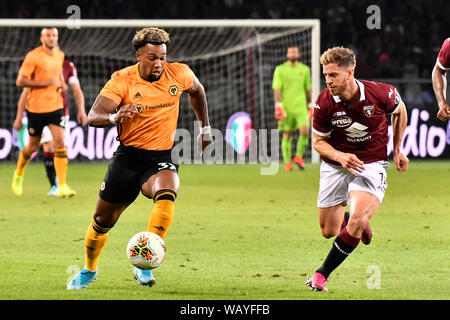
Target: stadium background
x=237 y=234
x=402 y=52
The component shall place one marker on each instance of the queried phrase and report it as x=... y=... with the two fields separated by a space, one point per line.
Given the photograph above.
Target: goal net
x=233 y=59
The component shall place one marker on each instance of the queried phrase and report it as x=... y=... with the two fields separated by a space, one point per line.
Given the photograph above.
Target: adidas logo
x=137 y=95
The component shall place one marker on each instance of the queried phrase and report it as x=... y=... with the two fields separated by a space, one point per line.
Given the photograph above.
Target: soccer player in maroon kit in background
x=439 y=80
x=350 y=132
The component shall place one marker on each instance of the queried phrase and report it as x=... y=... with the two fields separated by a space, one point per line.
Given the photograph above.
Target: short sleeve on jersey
x=73 y=75
x=321 y=123
x=308 y=83
x=188 y=77
x=443 y=59
x=276 y=82
x=114 y=88
x=393 y=99
x=28 y=65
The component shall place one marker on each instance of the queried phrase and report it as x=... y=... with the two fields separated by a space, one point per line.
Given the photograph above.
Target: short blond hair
x=341 y=56
x=150 y=35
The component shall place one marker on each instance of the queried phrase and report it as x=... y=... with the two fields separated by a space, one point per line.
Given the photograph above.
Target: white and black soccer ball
x=146 y=250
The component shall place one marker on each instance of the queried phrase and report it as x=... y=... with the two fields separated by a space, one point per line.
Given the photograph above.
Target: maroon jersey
x=362 y=130
x=70 y=77
x=443 y=59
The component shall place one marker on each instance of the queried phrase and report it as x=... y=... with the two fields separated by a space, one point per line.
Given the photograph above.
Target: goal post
x=234 y=59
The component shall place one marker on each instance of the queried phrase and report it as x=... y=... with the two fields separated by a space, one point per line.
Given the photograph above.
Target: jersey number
x=166 y=166
x=383 y=183
x=63 y=121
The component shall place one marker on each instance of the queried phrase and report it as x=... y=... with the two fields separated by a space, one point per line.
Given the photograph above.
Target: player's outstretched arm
x=102 y=112
x=197 y=98
x=348 y=161
x=439 y=80
x=399 y=120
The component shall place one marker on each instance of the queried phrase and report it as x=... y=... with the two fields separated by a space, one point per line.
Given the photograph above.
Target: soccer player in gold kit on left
x=41 y=71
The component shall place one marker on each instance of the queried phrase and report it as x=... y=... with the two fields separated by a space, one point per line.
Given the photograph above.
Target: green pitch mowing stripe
x=236 y=235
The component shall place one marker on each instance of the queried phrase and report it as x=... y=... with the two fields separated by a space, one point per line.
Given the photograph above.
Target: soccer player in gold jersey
x=142 y=100
x=41 y=72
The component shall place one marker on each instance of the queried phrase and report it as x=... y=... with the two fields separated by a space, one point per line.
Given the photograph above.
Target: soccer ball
x=146 y=250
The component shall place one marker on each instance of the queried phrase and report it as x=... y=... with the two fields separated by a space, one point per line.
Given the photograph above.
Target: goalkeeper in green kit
x=292 y=94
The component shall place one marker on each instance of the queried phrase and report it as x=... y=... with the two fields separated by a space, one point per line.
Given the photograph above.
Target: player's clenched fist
x=444 y=112
x=401 y=162
x=126 y=112
x=204 y=139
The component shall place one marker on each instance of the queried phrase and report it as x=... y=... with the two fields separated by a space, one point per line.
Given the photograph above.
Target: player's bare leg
x=60 y=161
x=362 y=207
x=107 y=213
x=22 y=162
x=286 y=149
x=366 y=236
x=330 y=220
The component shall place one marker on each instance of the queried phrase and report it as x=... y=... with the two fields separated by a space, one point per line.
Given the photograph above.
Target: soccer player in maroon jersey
x=350 y=132
x=439 y=80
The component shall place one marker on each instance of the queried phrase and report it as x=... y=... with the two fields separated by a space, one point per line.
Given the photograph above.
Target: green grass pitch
x=237 y=235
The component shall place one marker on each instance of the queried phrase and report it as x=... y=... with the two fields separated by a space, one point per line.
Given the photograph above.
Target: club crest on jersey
x=173 y=90
x=139 y=108
x=368 y=111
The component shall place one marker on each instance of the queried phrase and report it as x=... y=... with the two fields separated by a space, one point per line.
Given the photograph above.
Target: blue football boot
x=82 y=280
x=145 y=277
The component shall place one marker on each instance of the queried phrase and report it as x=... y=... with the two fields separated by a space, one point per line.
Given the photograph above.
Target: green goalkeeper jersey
x=293 y=82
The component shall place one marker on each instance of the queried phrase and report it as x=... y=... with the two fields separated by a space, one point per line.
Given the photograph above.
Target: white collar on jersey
x=361 y=89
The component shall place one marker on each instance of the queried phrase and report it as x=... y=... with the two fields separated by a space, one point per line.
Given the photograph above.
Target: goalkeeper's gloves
x=280 y=114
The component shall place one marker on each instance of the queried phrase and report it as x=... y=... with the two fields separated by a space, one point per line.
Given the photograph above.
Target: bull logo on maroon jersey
x=368 y=111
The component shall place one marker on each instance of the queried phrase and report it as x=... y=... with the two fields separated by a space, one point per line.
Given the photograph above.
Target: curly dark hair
x=150 y=35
